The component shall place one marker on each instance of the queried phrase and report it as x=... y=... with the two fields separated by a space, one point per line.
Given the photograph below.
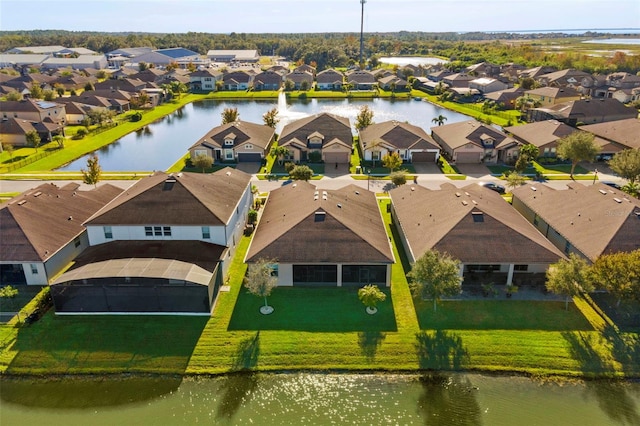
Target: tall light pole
x=362 y=2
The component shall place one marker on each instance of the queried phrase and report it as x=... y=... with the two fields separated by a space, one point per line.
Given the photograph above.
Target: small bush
x=136 y=116
x=82 y=132
x=8 y=292
x=288 y=166
x=315 y=156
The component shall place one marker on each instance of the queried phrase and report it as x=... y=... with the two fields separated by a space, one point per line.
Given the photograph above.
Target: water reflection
x=235 y=390
x=448 y=400
x=86 y=393
x=369 y=342
x=614 y=400
x=440 y=350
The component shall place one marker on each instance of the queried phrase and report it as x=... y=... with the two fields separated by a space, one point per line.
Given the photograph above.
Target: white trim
x=189 y=314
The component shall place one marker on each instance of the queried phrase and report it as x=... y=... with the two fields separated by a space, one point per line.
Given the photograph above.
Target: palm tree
x=439 y=120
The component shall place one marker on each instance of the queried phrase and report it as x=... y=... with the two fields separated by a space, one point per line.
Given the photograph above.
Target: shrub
x=288 y=166
x=8 y=292
x=252 y=216
x=136 y=116
x=315 y=157
x=82 y=132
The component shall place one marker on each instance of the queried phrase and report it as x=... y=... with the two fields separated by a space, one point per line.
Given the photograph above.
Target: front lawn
x=312 y=309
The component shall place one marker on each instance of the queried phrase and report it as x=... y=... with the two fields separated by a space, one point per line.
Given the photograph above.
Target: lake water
x=320 y=399
x=402 y=61
x=630 y=41
x=161 y=144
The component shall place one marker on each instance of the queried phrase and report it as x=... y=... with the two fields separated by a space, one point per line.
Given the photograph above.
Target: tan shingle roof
x=329 y=125
x=459 y=134
x=399 y=135
x=39 y=222
x=241 y=132
x=192 y=199
x=623 y=132
x=589 y=217
x=444 y=220
x=352 y=230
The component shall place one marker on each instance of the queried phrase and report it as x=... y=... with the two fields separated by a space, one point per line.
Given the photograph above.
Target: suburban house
x=393 y=83
x=625 y=134
x=458 y=80
x=323 y=238
x=584 y=111
x=34 y=110
x=233 y=55
x=563 y=78
x=329 y=79
x=89 y=98
x=240 y=141
x=553 y=95
x=131 y=85
x=305 y=68
x=586 y=220
x=505 y=97
x=162 y=246
x=13 y=131
x=536 y=72
x=77 y=112
x=487 y=85
x=267 y=80
x=237 y=80
x=545 y=135
x=411 y=142
x=300 y=79
x=326 y=133
x=474 y=225
x=474 y=142
x=42 y=230
x=204 y=80
x=362 y=80
x=484 y=69
x=627 y=95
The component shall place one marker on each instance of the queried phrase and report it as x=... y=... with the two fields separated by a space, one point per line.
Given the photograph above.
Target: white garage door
x=467 y=157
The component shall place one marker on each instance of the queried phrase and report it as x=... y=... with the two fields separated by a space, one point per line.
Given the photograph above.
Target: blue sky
x=286 y=16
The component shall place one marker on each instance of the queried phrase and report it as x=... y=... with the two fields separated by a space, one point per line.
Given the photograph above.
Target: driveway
x=250 y=168
x=426 y=168
x=479 y=171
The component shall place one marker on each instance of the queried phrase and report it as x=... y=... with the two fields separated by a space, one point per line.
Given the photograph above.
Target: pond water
x=614 y=41
x=162 y=143
x=402 y=61
x=320 y=399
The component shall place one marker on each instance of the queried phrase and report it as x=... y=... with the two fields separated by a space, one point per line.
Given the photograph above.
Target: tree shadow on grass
x=625 y=348
x=440 y=350
x=448 y=400
x=369 y=342
x=247 y=353
x=582 y=347
x=235 y=391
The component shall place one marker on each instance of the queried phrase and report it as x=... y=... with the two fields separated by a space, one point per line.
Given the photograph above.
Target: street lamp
x=368 y=178
x=595 y=176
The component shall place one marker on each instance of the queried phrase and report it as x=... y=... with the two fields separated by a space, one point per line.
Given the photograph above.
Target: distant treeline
x=342 y=49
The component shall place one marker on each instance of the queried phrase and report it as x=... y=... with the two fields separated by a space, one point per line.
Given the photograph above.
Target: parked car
x=494 y=187
x=611 y=184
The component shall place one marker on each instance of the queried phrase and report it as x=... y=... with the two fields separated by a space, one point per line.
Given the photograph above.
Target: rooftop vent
x=617 y=200
x=339 y=205
x=37 y=194
x=168 y=184
x=533 y=188
x=464 y=203
x=602 y=191
x=357 y=192
x=458 y=194
x=21 y=202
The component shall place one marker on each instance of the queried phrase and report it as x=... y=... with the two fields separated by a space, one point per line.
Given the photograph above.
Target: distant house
x=42 y=230
x=362 y=80
x=587 y=220
x=34 y=110
x=267 y=80
x=563 y=78
x=233 y=55
x=147 y=258
x=458 y=80
x=553 y=95
x=545 y=135
x=305 y=68
x=623 y=133
x=237 y=80
x=411 y=142
x=77 y=112
x=204 y=80
x=474 y=225
x=325 y=133
x=584 y=111
x=627 y=95
x=487 y=85
x=323 y=238
x=13 y=131
x=150 y=75
x=484 y=69
x=112 y=103
x=300 y=78
x=240 y=141
x=329 y=79
x=393 y=83
x=473 y=142
x=129 y=84
x=505 y=97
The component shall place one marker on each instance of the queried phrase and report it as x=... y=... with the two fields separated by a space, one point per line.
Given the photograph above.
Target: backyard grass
x=327 y=329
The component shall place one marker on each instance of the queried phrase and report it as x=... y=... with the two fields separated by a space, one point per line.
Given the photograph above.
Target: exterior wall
x=235 y=227
x=15 y=140
x=60 y=259
x=242 y=149
x=403 y=239
x=285 y=275
x=137 y=232
x=40 y=278
x=74 y=118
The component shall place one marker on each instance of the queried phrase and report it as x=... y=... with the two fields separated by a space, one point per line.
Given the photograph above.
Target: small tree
x=8 y=148
x=202 y=161
x=36 y=91
x=392 y=161
x=626 y=163
x=370 y=295
x=48 y=95
x=59 y=140
x=301 y=173
x=230 y=115
x=261 y=280
x=91 y=176
x=528 y=153
x=270 y=118
x=364 y=118
x=569 y=278
x=252 y=216
x=33 y=139
x=89 y=87
x=439 y=120
x=399 y=178
x=8 y=292
x=279 y=152
x=577 y=146
x=435 y=275
x=289 y=85
x=14 y=95
x=81 y=133
x=619 y=273
x=515 y=180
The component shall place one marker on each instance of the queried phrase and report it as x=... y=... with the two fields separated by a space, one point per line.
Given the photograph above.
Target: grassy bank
x=318 y=329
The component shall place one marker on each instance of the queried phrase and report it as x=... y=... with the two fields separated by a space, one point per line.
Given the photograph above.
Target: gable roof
x=624 y=132
x=16 y=126
x=589 y=217
x=39 y=222
x=554 y=92
x=180 y=199
x=588 y=108
x=259 y=135
x=177 y=52
x=540 y=133
x=329 y=76
x=399 y=135
x=329 y=125
x=351 y=229
x=444 y=220
x=459 y=134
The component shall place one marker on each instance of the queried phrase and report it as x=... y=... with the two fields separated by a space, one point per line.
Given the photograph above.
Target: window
x=375 y=155
x=148 y=231
x=535 y=220
x=108 y=233
x=207 y=79
x=76 y=242
x=248 y=146
x=34 y=269
x=274 y=269
x=206 y=233
x=228 y=154
x=567 y=247
x=157 y=231
x=228 y=142
x=167 y=231
x=521 y=268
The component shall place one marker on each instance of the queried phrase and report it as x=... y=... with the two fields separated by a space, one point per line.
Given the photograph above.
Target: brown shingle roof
x=180 y=199
x=459 y=134
x=541 y=133
x=331 y=126
x=444 y=220
x=39 y=222
x=623 y=132
x=259 y=135
x=589 y=217
x=351 y=229
x=399 y=135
